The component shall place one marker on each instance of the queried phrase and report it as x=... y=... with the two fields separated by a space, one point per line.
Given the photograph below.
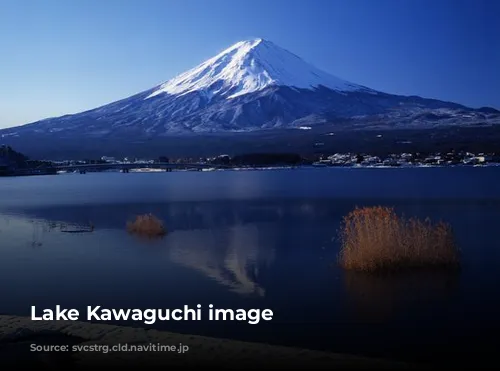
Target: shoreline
x=17 y=333
x=267 y=168
x=152 y=169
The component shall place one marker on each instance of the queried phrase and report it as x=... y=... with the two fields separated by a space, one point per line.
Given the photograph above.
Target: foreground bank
x=20 y=337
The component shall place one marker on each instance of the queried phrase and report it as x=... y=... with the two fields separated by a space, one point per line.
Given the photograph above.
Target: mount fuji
x=250 y=87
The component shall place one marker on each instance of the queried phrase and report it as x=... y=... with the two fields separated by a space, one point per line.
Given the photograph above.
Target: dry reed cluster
x=147 y=225
x=376 y=239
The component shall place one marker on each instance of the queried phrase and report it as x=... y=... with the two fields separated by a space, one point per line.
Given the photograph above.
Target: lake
x=258 y=239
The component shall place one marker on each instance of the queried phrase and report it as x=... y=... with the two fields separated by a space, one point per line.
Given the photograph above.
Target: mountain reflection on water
x=228 y=243
x=230 y=257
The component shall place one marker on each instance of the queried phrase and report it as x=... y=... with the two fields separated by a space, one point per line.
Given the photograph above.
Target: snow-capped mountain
x=248 y=67
x=250 y=86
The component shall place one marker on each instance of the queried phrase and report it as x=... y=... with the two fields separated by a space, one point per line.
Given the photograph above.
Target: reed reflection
x=378 y=298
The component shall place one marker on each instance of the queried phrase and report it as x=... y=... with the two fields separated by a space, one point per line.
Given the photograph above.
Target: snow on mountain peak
x=250 y=66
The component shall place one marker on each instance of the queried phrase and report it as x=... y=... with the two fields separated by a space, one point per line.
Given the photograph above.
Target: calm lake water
x=258 y=239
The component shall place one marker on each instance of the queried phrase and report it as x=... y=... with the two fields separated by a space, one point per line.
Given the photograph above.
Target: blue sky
x=66 y=56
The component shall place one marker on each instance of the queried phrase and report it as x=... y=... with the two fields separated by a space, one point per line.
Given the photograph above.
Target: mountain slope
x=251 y=86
